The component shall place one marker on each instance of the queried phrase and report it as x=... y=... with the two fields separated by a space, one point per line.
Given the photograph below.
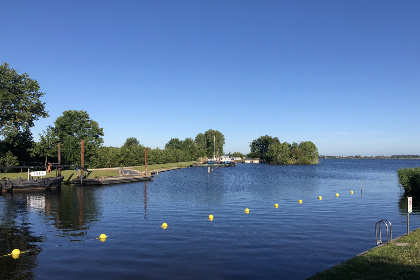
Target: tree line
x=269 y=149
x=21 y=106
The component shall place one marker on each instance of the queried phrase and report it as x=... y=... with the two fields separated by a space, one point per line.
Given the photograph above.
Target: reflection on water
x=292 y=241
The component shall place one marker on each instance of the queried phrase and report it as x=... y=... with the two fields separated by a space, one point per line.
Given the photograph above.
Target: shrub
x=409 y=179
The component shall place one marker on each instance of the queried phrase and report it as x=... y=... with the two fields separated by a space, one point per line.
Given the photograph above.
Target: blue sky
x=342 y=74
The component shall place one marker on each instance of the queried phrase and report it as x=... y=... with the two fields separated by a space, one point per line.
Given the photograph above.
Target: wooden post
x=82 y=156
x=59 y=158
x=145 y=162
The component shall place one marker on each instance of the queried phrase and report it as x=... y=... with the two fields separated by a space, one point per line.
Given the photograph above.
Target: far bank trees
x=269 y=149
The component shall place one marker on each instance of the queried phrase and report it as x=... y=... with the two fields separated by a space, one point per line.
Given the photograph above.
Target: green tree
x=201 y=144
x=70 y=129
x=237 y=154
x=174 y=144
x=107 y=157
x=279 y=153
x=262 y=145
x=8 y=160
x=47 y=145
x=132 y=153
x=309 y=150
x=131 y=141
x=19 y=144
x=20 y=104
x=214 y=143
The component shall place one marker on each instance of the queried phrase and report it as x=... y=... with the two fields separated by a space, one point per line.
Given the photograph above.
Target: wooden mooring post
x=145 y=162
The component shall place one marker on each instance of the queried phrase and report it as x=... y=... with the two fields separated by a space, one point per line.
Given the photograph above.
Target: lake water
x=58 y=230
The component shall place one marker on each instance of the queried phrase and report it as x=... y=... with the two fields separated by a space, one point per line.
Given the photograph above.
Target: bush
x=409 y=179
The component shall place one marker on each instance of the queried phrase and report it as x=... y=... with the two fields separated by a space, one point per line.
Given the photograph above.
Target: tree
x=262 y=145
x=107 y=157
x=47 y=145
x=174 y=144
x=20 y=104
x=19 y=144
x=201 y=144
x=237 y=154
x=132 y=153
x=279 y=153
x=70 y=129
x=131 y=141
x=8 y=160
x=214 y=143
x=309 y=150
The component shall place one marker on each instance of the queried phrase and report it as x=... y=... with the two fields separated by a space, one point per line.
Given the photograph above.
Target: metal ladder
x=388 y=231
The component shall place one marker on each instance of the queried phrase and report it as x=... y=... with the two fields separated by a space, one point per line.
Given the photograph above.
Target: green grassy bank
x=400 y=259
x=96 y=173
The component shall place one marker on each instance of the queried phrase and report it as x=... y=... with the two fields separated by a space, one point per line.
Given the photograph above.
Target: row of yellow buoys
x=16 y=252
x=211 y=217
x=319 y=197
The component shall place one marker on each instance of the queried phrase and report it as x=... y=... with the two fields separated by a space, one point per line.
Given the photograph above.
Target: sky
x=342 y=74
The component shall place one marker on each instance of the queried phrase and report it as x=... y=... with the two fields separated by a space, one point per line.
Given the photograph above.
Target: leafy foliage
x=70 y=129
x=262 y=145
x=409 y=179
x=269 y=149
x=20 y=104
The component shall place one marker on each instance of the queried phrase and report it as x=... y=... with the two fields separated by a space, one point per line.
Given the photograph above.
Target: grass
x=96 y=173
x=156 y=167
x=389 y=261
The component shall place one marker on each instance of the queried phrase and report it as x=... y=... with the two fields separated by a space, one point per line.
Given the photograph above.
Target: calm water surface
x=59 y=230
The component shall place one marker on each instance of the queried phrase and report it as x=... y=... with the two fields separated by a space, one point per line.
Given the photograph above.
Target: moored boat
x=32 y=184
x=213 y=163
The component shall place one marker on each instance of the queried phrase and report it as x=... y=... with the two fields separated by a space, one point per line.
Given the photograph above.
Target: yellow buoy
x=337 y=195
x=164 y=225
x=320 y=197
x=15 y=253
x=276 y=205
x=351 y=192
x=300 y=201
x=246 y=210
x=211 y=217
x=102 y=237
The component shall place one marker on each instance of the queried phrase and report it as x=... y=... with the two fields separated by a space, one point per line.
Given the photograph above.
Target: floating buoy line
x=16 y=252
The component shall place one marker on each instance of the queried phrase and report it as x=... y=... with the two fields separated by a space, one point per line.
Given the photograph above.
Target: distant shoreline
x=362 y=157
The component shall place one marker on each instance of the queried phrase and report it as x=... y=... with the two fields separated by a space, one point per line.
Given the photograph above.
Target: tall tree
x=214 y=143
x=262 y=145
x=70 y=129
x=47 y=145
x=20 y=104
x=201 y=143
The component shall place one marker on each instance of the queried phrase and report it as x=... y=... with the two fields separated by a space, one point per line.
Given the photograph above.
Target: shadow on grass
x=373 y=267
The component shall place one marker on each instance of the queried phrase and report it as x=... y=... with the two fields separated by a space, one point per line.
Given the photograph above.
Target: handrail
x=388 y=231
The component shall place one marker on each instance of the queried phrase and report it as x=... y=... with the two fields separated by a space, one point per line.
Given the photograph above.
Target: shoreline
x=380 y=252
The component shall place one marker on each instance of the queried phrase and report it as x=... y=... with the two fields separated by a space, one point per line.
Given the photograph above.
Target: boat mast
x=214 y=151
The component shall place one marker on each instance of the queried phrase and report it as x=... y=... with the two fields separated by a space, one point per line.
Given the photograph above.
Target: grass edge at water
x=388 y=261
x=100 y=172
